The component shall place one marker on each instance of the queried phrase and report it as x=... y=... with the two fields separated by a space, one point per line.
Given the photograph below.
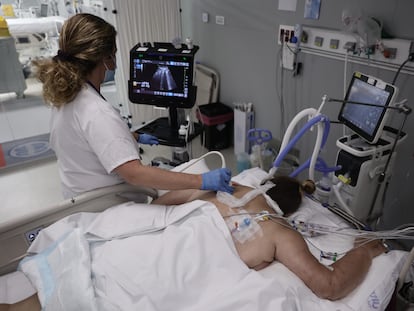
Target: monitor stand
x=166 y=130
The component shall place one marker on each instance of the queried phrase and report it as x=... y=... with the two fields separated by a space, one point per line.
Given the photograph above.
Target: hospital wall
x=245 y=52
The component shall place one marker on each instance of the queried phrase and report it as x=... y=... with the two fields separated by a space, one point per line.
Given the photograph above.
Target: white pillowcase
x=69 y=261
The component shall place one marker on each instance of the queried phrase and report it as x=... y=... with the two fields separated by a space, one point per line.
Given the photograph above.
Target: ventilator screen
x=367 y=121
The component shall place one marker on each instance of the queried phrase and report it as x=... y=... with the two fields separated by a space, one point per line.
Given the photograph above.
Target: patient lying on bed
x=259 y=242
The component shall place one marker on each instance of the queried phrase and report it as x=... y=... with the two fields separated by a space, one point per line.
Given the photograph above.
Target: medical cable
x=292 y=51
x=345 y=73
x=282 y=101
x=335 y=255
x=382 y=175
x=264 y=215
x=348 y=218
x=195 y=161
x=341 y=213
x=314 y=229
x=410 y=58
x=323 y=253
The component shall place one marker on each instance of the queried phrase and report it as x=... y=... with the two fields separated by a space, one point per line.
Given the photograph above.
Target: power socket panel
x=286 y=32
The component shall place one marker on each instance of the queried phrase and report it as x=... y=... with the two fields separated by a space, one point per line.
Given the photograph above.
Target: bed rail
x=17 y=234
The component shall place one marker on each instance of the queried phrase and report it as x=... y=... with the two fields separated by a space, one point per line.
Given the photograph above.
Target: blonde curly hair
x=84 y=41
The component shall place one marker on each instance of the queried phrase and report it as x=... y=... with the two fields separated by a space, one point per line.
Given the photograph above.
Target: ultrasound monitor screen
x=367 y=121
x=161 y=77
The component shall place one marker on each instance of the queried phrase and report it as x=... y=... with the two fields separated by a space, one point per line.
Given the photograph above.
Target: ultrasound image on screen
x=366 y=118
x=164 y=78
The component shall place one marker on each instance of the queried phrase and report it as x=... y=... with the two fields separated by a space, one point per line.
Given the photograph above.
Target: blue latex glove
x=217 y=180
x=147 y=139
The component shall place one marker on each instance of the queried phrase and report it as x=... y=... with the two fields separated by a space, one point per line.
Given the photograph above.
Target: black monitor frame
x=176 y=69
x=162 y=75
x=367 y=121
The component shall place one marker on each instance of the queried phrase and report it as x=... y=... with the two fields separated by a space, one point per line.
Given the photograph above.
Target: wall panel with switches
x=388 y=54
x=286 y=35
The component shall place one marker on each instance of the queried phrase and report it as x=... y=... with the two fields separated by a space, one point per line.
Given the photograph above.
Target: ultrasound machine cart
x=162 y=75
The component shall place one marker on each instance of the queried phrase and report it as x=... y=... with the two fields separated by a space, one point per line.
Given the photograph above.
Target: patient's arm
x=176 y=197
x=135 y=173
x=347 y=273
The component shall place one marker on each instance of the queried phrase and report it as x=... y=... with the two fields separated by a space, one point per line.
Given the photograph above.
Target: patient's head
x=288 y=192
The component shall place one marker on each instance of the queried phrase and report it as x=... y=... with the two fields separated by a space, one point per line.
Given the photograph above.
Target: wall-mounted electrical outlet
x=286 y=33
x=219 y=20
x=204 y=17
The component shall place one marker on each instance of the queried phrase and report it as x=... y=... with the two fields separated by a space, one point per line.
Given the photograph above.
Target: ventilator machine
x=357 y=182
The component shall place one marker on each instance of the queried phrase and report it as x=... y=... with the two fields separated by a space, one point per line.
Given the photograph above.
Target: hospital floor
x=36 y=185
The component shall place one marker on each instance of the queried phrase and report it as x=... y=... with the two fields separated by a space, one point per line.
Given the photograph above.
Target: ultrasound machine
x=162 y=75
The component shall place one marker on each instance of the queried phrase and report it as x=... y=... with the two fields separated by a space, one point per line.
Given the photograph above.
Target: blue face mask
x=109 y=74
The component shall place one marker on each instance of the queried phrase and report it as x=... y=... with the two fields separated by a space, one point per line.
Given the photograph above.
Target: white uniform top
x=90 y=140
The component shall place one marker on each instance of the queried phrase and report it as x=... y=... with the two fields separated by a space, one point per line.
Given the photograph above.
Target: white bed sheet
x=161 y=258
x=145 y=257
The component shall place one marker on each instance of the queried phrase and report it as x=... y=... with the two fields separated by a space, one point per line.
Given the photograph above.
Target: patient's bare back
x=256 y=247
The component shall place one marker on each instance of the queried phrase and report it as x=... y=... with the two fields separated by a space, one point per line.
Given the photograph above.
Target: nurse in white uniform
x=93 y=145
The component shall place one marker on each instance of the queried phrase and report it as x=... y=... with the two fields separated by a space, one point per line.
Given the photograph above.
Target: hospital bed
x=35 y=37
x=200 y=271
x=17 y=234
x=50 y=25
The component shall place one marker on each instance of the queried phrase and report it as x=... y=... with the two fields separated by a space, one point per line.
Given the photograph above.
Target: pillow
x=61 y=280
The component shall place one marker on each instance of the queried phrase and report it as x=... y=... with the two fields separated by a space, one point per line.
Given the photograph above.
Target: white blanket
x=147 y=257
